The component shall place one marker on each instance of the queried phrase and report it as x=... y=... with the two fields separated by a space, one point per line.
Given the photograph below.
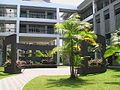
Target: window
x=117 y=11
x=99 y=5
x=50 y=15
x=50 y=29
x=106 y=14
x=117 y=15
x=106 y=2
x=117 y=8
x=112 y=1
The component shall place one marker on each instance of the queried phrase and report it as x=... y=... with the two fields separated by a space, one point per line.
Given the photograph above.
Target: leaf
x=57 y=49
x=118 y=59
x=111 y=51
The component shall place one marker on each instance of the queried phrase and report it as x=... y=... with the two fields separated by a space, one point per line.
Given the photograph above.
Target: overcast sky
x=71 y=2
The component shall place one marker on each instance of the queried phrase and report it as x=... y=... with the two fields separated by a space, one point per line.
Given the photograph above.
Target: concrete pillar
x=112 y=18
x=58 y=53
x=28 y=13
x=18 y=23
x=45 y=29
x=46 y=15
x=27 y=28
x=94 y=23
x=102 y=23
x=1 y=59
x=18 y=28
x=94 y=20
x=93 y=4
x=57 y=14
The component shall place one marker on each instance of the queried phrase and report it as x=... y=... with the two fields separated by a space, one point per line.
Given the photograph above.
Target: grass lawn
x=109 y=80
x=63 y=66
x=2 y=74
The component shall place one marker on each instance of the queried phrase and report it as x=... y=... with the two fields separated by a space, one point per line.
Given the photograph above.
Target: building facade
x=32 y=21
x=103 y=14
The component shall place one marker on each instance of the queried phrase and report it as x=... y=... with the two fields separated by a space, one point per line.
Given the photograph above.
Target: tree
x=114 y=47
x=74 y=32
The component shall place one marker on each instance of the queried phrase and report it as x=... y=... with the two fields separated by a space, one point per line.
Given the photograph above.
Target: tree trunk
x=72 y=69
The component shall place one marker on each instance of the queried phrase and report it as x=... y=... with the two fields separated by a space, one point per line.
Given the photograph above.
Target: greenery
x=114 y=47
x=2 y=74
x=109 y=80
x=74 y=32
x=63 y=67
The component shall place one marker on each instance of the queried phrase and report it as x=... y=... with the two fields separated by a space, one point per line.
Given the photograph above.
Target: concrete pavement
x=17 y=82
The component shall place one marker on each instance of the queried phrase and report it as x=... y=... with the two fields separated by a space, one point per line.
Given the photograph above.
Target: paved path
x=17 y=82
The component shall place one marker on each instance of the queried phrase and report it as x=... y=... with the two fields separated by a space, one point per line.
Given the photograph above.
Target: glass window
x=99 y=5
x=112 y=1
x=117 y=15
x=106 y=2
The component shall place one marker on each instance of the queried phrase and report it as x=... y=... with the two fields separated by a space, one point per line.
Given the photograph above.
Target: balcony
x=7 y=27
x=41 y=29
x=36 y=14
x=12 y=30
x=6 y=11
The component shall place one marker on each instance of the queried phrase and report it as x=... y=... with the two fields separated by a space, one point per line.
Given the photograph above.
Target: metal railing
x=7 y=29
x=37 y=30
x=38 y=15
x=8 y=14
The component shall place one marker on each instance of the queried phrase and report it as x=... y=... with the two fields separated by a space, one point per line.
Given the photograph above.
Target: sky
x=71 y=2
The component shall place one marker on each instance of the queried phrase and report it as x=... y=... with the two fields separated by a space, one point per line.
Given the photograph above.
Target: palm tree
x=114 y=47
x=74 y=32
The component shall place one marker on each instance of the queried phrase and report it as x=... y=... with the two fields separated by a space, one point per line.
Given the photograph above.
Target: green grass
x=63 y=66
x=4 y=75
x=109 y=80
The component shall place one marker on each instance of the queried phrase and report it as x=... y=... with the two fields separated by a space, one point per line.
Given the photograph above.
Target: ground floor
x=31 y=39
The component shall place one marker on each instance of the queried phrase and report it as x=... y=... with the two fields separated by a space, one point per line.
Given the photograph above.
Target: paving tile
x=17 y=82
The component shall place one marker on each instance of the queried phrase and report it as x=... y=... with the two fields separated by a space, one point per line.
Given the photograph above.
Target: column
x=46 y=32
x=18 y=28
x=28 y=13
x=58 y=53
x=46 y=15
x=57 y=14
x=102 y=23
x=93 y=5
x=94 y=20
x=18 y=23
x=112 y=18
x=27 y=28
x=94 y=23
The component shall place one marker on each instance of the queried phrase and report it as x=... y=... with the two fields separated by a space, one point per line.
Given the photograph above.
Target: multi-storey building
x=32 y=21
x=103 y=14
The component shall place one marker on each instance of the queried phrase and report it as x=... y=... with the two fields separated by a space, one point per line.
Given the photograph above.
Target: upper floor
x=86 y=10
x=43 y=10
x=100 y=4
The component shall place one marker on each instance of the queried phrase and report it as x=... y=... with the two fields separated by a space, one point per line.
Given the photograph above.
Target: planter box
x=90 y=70
x=41 y=66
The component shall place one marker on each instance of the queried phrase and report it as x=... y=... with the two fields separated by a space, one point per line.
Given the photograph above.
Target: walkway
x=17 y=82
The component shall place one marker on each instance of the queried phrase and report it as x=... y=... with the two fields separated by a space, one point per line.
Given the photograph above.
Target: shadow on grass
x=67 y=83
x=113 y=83
x=116 y=76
